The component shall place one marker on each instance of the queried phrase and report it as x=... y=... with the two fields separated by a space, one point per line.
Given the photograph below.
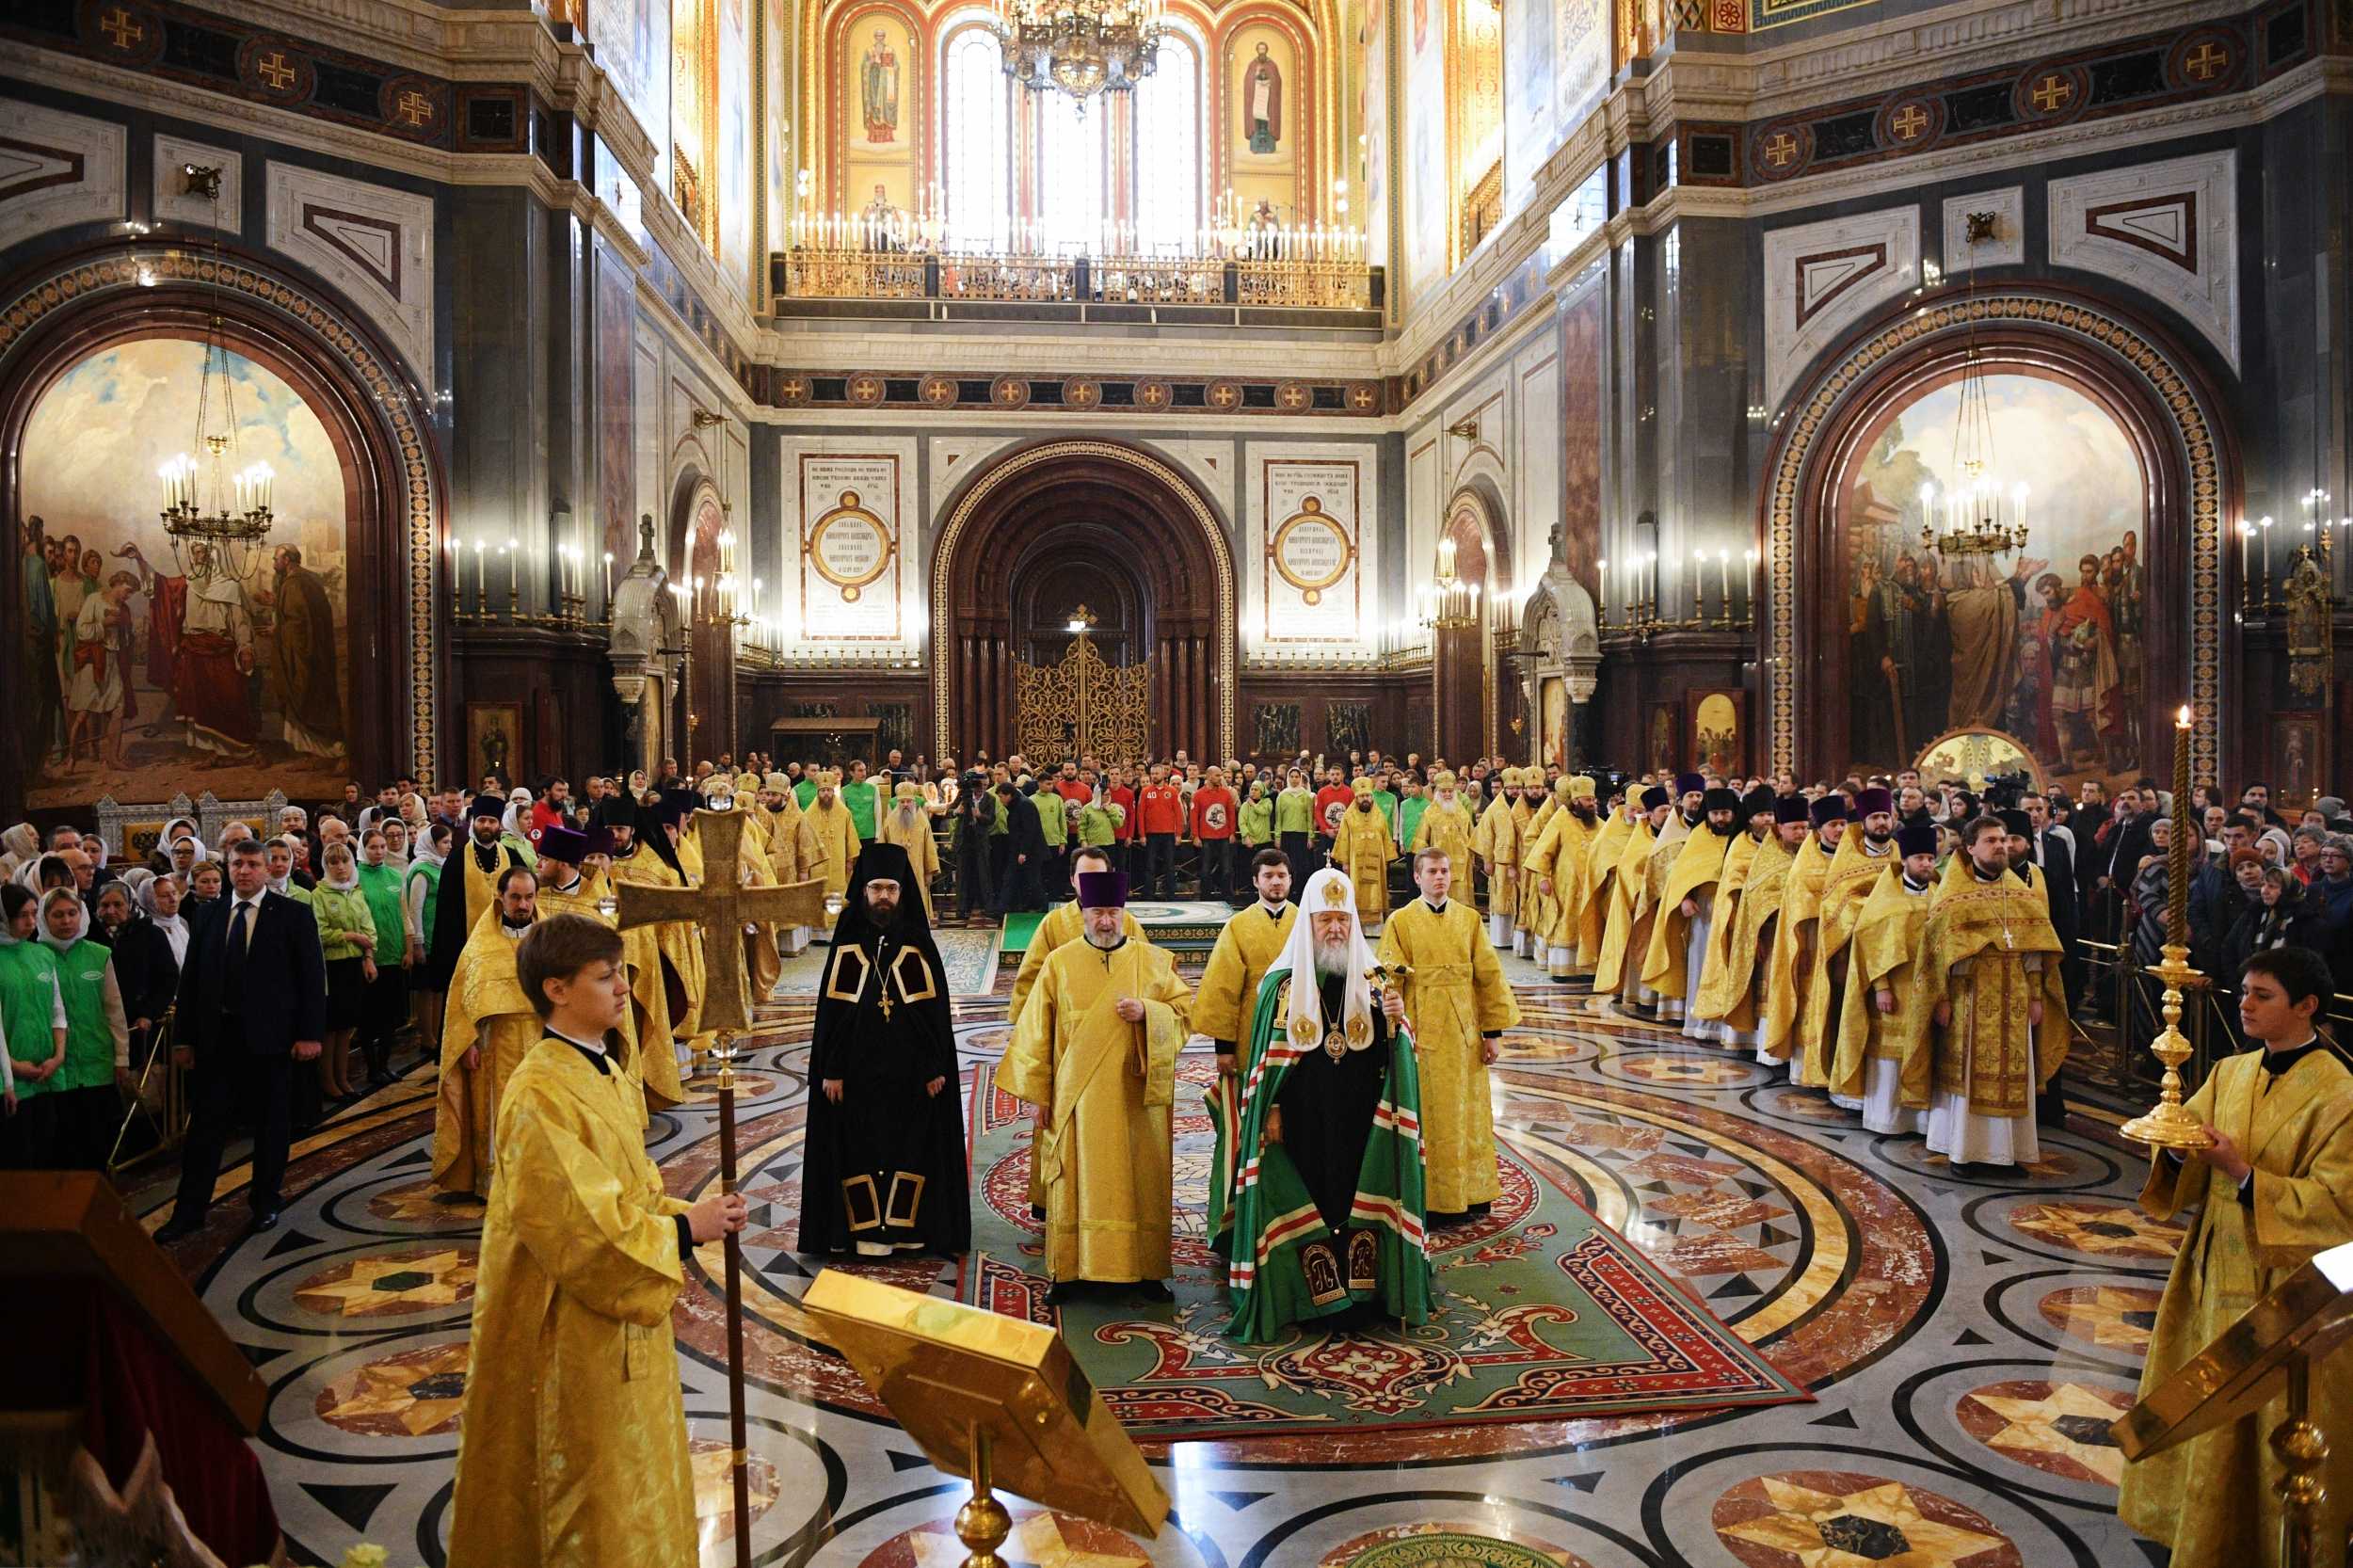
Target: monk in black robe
x=882 y=1170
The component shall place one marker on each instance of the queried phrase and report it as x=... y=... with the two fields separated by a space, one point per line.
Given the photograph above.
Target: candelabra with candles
x=2166 y=1125
x=1447 y=602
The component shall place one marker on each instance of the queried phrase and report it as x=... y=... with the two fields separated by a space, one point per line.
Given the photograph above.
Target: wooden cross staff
x=719 y=910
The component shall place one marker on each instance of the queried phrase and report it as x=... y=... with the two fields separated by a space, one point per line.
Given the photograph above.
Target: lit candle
x=481 y=577
x=2177 y=854
x=513 y=551
x=1753 y=559
x=608 y=577
x=2266 y=526
x=2246 y=559
x=1723 y=580
x=1601 y=573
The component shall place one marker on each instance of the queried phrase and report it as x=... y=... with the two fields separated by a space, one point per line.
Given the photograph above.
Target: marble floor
x=1965 y=1342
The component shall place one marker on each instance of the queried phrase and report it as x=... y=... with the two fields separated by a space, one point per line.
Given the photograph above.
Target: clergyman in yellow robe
x=1536 y=905
x=1680 y=930
x=1363 y=845
x=678 y=944
x=1556 y=860
x=486 y=1029
x=1791 y=970
x=1865 y=850
x=909 y=824
x=1457 y=1003
x=1095 y=1047
x=572 y=1449
x=1989 y=983
x=792 y=852
x=1684 y=817
x=1733 y=988
x=1866 y=1069
x=1528 y=804
x=1446 y=824
x=762 y=956
x=1600 y=880
x=1614 y=972
x=1497 y=842
x=564 y=888
x=2287 y=1109
x=838 y=840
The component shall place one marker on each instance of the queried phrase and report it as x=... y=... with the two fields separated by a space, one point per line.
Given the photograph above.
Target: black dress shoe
x=1037 y=1211
x=264 y=1218
x=177 y=1230
x=1154 y=1290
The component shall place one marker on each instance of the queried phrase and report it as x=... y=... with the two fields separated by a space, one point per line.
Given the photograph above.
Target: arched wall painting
x=2043 y=645
x=236 y=685
x=880 y=134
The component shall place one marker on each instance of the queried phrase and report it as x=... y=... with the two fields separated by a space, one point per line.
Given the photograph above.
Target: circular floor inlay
x=1810 y=1518
x=391 y=1284
x=419 y=1202
x=2115 y=1317
x=2058 y=1428
x=414 y=1393
x=2105 y=1229
x=1445 y=1545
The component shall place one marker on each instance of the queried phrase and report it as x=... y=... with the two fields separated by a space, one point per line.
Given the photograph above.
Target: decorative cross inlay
x=121 y=29
x=1781 y=150
x=2208 y=61
x=793 y=388
x=275 y=68
x=1009 y=392
x=1222 y=396
x=1293 y=398
x=2051 y=93
x=1360 y=397
x=414 y=108
x=1910 y=121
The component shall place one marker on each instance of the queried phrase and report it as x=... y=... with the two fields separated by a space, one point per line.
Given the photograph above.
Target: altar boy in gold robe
x=572 y=1450
x=1095 y=1048
x=1457 y=1004
x=2275 y=1189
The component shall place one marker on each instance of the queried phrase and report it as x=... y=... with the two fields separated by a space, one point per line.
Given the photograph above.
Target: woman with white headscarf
x=161 y=899
x=20 y=846
x=97 y=1033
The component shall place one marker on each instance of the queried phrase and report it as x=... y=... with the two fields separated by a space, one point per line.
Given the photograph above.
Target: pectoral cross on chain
x=720 y=909
x=2009 y=941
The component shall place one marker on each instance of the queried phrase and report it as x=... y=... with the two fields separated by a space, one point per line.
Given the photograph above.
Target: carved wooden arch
x=2158 y=395
x=1101 y=495
x=1474 y=509
x=57 y=315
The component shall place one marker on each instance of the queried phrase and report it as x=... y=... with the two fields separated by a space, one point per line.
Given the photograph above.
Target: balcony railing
x=1256 y=282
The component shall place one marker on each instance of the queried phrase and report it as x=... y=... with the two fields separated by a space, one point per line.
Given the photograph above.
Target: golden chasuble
x=1879 y=957
x=1626 y=891
x=1854 y=870
x=1363 y=846
x=838 y=843
x=1534 y=907
x=1729 y=983
x=922 y=849
x=1446 y=825
x=1245 y=950
x=1498 y=841
x=679 y=948
x=1997 y=937
x=1561 y=855
x=486 y=1009
x=648 y=1017
x=1455 y=994
x=1599 y=882
x=1699 y=866
x=1105 y=1151
x=1792 y=967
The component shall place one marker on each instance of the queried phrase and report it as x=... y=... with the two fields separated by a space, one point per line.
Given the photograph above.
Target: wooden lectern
x=992 y=1397
x=2271 y=1347
x=162 y=1396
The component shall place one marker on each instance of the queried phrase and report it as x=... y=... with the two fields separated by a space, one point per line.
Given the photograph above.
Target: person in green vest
x=97 y=1035
x=1099 y=821
x=1254 y=822
x=858 y=794
x=1413 y=800
x=33 y=1025
x=386 y=1003
x=805 y=788
x=420 y=898
x=1295 y=828
x=1053 y=877
x=348 y=941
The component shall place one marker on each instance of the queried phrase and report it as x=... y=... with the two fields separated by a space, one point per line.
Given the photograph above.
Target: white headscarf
x=517 y=817
x=1328 y=891
x=41 y=926
x=174 y=926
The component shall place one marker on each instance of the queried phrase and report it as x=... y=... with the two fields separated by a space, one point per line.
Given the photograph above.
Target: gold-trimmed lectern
x=992 y=1397
x=2271 y=1347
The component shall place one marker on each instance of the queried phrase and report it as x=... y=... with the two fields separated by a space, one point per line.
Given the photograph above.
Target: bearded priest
x=1867 y=1069
x=486 y=1028
x=1363 y=845
x=1679 y=932
x=1328 y=1200
x=1096 y=1051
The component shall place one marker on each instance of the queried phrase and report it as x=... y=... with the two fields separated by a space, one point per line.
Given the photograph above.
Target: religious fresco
x=1422 y=182
x=1372 y=121
x=1266 y=114
x=877 y=87
x=2045 y=644
x=633 y=43
x=1583 y=327
x=617 y=453
x=736 y=177
x=156 y=671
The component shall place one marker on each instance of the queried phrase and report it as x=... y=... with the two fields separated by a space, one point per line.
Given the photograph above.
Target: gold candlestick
x=2167 y=1125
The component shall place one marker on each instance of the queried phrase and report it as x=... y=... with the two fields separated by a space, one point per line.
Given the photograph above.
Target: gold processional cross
x=720 y=909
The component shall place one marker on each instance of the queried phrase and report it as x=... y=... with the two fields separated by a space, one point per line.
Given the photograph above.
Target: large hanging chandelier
x=1082 y=47
x=1979 y=514
x=1447 y=602
x=215 y=513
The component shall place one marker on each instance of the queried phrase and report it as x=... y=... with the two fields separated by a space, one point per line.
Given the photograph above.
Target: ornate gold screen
x=1079 y=705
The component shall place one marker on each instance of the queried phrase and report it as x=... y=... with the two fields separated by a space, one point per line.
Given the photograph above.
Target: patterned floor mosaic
x=1964 y=1341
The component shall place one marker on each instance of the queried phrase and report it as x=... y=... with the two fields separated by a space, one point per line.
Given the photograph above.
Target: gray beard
x=1331 y=963
x=1106 y=943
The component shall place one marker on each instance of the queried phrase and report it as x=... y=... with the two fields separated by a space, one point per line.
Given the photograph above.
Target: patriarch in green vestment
x=1319 y=1185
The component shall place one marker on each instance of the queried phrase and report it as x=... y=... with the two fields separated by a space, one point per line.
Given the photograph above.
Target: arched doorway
x=705 y=715
x=1096 y=524
x=1461 y=679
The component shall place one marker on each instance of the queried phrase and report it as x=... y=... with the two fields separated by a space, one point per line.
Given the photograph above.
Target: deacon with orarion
x=882 y=1170
x=1327 y=1212
x=1096 y=1050
x=486 y=1028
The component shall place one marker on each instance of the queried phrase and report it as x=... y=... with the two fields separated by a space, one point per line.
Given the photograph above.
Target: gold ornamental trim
x=850 y=509
x=1221 y=552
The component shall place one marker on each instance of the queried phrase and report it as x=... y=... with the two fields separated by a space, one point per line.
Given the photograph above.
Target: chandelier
x=1081 y=46
x=1447 y=602
x=1978 y=514
x=215 y=513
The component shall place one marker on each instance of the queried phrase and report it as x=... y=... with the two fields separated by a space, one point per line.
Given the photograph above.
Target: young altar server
x=573 y=1447
x=2275 y=1189
x=1326 y=1220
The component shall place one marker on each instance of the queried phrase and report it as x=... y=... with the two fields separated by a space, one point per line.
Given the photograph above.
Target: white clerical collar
x=1274 y=910
x=572 y=887
x=1912 y=886
x=593 y=1047
x=1883 y=851
x=512 y=933
x=1439 y=907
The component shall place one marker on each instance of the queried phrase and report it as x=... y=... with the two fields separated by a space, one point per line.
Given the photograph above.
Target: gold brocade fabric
x=1600 y=884
x=648 y=1014
x=1245 y=950
x=1879 y=957
x=1974 y=954
x=1364 y=847
x=571 y=1453
x=1498 y=842
x=2213 y=1496
x=1854 y=870
x=1622 y=927
x=794 y=853
x=1534 y=908
x=1061 y=925
x=1559 y=855
x=1698 y=868
x=1446 y=828
x=1455 y=994
x=922 y=849
x=762 y=962
x=677 y=945
x=1728 y=986
x=485 y=1008
x=1791 y=969
x=1105 y=1152
x=837 y=843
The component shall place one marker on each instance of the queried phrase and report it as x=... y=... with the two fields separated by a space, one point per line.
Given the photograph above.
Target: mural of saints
x=878 y=89
x=1262 y=102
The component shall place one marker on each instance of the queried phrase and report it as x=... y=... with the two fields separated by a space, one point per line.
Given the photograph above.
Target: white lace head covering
x=1328 y=891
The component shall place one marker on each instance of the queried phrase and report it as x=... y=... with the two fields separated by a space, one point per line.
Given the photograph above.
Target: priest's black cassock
x=884 y=1170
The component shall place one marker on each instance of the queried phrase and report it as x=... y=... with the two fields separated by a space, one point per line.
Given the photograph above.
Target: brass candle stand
x=2167 y=1125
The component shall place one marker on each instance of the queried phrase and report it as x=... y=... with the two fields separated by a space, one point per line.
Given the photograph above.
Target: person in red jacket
x=1331 y=801
x=1122 y=793
x=1160 y=812
x=552 y=808
x=1215 y=809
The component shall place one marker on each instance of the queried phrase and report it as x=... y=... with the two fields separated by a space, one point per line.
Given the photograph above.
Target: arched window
x=1071 y=170
x=976 y=139
x=1168 y=148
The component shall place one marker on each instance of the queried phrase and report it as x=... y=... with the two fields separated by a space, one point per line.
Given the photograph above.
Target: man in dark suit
x=2050 y=852
x=252 y=1002
x=1025 y=852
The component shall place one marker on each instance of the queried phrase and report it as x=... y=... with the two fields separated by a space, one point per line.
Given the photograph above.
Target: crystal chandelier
x=1978 y=514
x=1447 y=602
x=215 y=513
x=1081 y=46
